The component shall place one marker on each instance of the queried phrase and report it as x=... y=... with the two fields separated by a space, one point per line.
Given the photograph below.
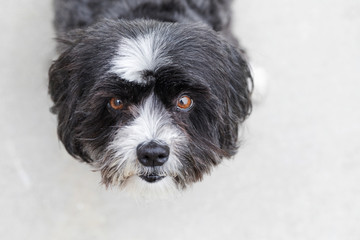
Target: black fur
x=206 y=64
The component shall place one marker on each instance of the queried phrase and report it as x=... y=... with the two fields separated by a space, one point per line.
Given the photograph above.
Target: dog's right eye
x=116 y=104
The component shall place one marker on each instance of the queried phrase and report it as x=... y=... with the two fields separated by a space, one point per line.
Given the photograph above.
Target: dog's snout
x=152 y=154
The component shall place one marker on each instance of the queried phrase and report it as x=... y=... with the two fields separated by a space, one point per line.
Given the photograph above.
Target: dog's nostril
x=152 y=154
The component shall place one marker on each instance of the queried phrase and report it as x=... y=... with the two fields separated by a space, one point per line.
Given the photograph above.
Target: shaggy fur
x=148 y=53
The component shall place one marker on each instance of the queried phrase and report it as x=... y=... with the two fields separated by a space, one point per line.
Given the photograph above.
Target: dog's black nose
x=152 y=154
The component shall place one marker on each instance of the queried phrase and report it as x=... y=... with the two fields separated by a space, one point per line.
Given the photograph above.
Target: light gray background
x=297 y=175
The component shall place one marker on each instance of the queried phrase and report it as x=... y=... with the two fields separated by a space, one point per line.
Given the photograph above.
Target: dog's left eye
x=116 y=103
x=184 y=103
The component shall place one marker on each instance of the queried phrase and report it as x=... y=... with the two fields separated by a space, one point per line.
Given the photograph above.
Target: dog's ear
x=237 y=101
x=65 y=91
x=241 y=82
x=68 y=39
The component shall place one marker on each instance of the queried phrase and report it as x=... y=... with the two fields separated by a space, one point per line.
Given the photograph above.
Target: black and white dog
x=149 y=92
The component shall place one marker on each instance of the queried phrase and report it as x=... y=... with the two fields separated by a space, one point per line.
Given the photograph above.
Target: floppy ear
x=237 y=101
x=65 y=92
x=67 y=40
x=241 y=84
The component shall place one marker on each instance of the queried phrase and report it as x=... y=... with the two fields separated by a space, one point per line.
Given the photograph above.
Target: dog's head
x=153 y=106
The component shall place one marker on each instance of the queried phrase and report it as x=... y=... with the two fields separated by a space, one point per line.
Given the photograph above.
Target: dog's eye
x=184 y=103
x=116 y=103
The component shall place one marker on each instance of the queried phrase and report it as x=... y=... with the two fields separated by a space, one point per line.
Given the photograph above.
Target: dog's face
x=153 y=106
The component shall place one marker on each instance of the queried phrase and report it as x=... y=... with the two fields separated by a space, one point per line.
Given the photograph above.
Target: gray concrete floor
x=296 y=177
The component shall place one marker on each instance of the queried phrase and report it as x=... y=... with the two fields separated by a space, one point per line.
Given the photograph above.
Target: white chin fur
x=140 y=189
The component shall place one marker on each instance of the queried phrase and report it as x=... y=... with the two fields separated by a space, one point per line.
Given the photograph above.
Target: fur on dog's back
x=72 y=14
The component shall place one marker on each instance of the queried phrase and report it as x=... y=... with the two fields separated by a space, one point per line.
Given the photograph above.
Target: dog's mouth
x=151 y=178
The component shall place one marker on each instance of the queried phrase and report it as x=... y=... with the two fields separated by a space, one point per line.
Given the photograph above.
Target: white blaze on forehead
x=134 y=56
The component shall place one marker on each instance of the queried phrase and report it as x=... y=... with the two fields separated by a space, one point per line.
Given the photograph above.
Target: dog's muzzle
x=152 y=154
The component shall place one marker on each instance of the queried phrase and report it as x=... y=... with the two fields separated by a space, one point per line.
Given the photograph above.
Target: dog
x=151 y=93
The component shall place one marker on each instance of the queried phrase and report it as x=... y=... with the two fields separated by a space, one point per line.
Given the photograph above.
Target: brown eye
x=116 y=104
x=184 y=103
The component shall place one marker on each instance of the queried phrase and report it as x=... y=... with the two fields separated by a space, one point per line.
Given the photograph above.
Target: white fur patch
x=135 y=56
x=141 y=190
